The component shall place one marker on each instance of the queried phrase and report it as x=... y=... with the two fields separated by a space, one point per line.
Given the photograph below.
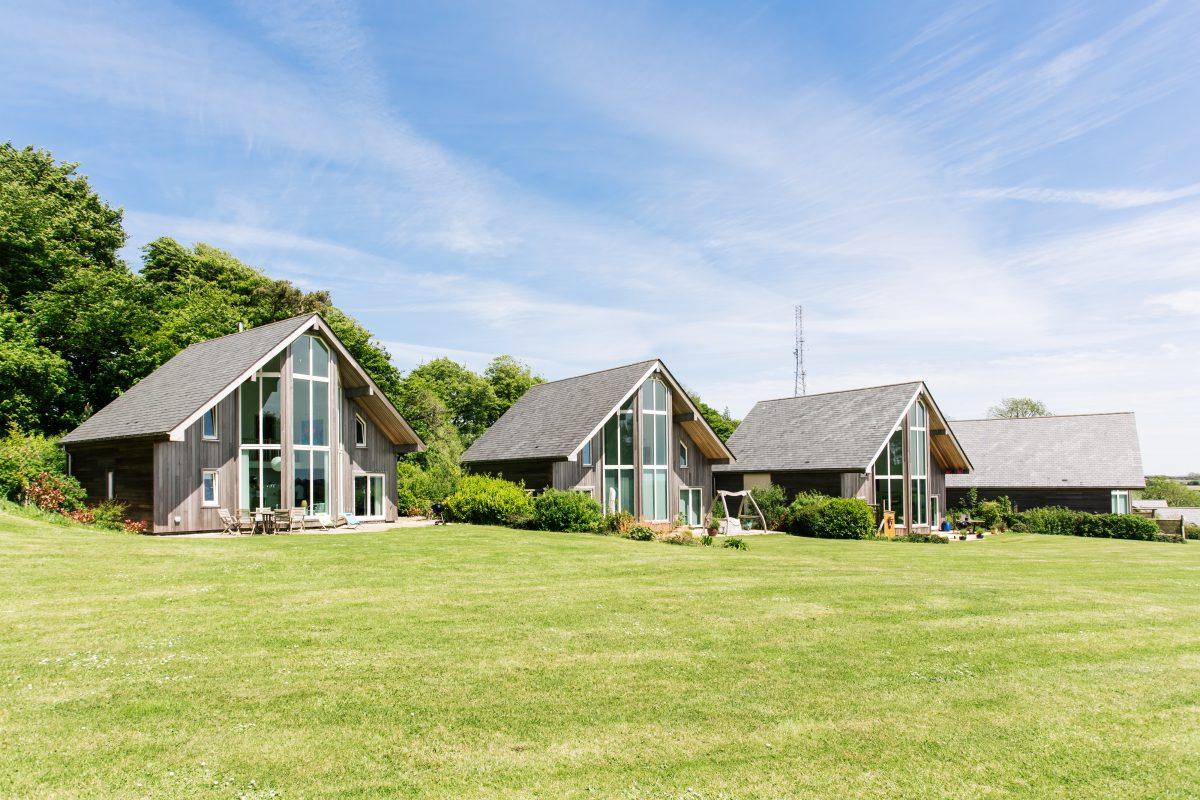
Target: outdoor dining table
x=264 y=520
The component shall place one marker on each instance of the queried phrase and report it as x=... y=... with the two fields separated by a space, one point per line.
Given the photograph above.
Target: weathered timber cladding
x=536 y=475
x=177 y=474
x=132 y=462
x=378 y=457
x=1097 y=501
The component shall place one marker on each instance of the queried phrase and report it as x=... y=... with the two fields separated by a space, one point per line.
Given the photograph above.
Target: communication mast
x=800 y=383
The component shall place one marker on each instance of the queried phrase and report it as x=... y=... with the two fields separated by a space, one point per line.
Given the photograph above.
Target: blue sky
x=998 y=198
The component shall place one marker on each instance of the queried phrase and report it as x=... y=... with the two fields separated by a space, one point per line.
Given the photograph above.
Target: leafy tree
x=1018 y=408
x=1160 y=487
x=102 y=323
x=509 y=379
x=51 y=224
x=722 y=422
x=469 y=399
x=33 y=377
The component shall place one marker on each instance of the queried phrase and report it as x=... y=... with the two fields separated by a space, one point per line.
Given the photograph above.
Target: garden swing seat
x=732 y=523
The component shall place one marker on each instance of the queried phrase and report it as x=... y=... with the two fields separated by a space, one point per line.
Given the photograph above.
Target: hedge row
x=1058 y=521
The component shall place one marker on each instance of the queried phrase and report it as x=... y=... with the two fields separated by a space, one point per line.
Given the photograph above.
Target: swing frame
x=733 y=523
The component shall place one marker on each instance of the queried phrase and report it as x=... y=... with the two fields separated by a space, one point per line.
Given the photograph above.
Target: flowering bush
x=51 y=491
x=84 y=516
x=134 y=526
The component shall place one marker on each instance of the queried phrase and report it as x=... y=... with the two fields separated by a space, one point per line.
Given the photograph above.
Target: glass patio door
x=368 y=496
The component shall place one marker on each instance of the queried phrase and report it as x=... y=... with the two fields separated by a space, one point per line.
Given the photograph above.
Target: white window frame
x=314 y=380
x=683 y=454
x=1116 y=494
x=617 y=505
x=354 y=493
x=359 y=421
x=256 y=381
x=110 y=484
x=661 y=464
x=216 y=431
x=585 y=455
x=697 y=493
x=216 y=484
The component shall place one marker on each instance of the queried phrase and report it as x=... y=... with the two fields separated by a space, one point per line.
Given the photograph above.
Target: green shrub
x=1129 y=526
x=990 y=513
x=736 y=544
x=641 y=533
x=802 y=513
x=53 y=491
x=573 y=512
x=772 y=502
x=924 y=538
x=413 y=495
x=845 y=518
x=706 y=540
x=1051 y=520
x=618 y=523
x=1191 y=531
x=484 y=500
x=1065 y=522
x=23 y=457
x=682 y=536
x=109 y=514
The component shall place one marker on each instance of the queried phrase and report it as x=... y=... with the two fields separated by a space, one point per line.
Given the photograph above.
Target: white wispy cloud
x=1100 y=198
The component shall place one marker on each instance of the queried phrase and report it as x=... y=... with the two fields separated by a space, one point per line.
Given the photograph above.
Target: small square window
x=586 y=455
x=360 y=431
x=683 y=455
x=208 y=488
x=208 y=424
x=1120 y=502
x=110 y=484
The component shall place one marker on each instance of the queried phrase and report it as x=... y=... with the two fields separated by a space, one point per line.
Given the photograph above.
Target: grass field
x=483 y=662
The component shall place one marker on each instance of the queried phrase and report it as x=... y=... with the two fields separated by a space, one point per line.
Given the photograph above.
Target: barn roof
x=1096 y=451
x=166 y=401
x=553 y=420
x=834 y=431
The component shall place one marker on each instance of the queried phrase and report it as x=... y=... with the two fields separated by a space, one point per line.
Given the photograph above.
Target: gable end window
x=208 y=425
x=585 y=455
x=683 y=455
x=360 y=431
x=208 y=488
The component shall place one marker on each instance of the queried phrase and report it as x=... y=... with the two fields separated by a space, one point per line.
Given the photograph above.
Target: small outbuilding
x=1086 y=462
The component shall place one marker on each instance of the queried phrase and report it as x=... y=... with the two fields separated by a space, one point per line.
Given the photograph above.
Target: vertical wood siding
x=1097 y=501
x=177 y=474
x=132 y=462
x=379 y=456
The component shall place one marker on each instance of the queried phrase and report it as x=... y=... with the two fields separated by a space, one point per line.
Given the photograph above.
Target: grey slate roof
x=1096 y=451
x=166 y=397
x=552 y=419
x=1191 y=516
x=839 y=431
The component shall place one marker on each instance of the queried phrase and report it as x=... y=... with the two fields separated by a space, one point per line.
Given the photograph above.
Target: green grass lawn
x=484 y=662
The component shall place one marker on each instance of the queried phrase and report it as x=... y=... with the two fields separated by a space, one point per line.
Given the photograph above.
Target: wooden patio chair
x=283 y=520
x=296 y=519
x=233 y=525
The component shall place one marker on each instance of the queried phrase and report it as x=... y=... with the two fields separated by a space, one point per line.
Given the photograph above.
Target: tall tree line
x=78 y=326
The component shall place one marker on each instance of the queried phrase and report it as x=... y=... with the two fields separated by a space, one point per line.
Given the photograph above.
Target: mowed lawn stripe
x=486 y=662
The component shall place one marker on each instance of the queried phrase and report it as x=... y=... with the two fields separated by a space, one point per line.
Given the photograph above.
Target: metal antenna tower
x=800 y=384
